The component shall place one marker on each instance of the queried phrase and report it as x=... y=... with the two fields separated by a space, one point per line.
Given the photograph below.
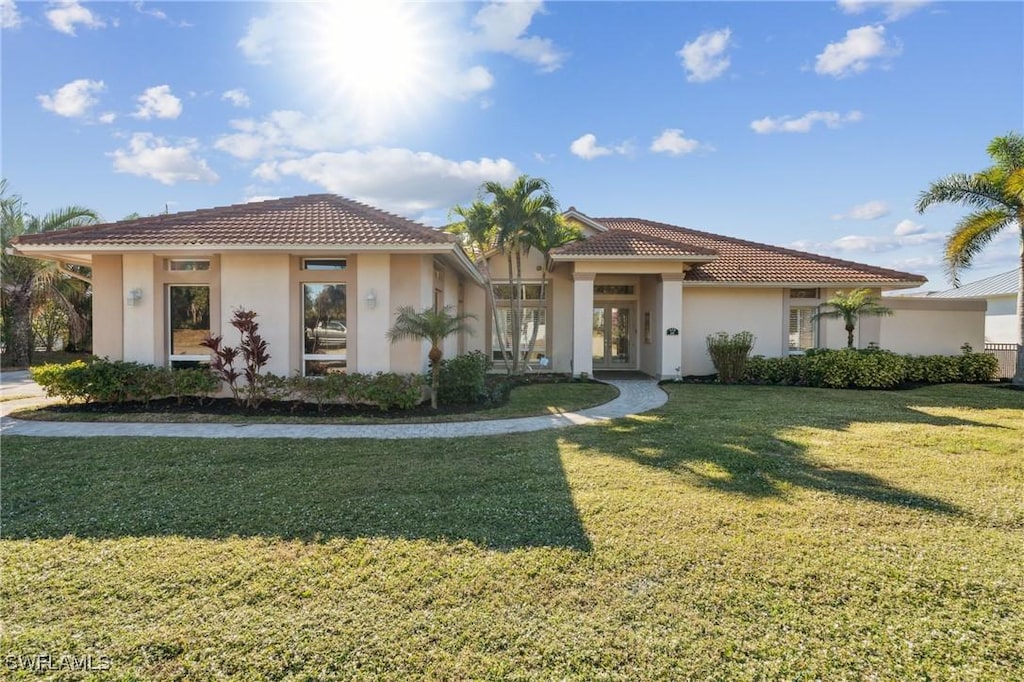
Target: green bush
x=114 y=381
x=870 y=368
x=193 y=383
x=388 y=390
x=67 y=381
x=729 y=354
x=463 y=379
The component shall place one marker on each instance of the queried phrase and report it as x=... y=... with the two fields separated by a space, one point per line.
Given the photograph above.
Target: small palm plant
x=850 y=307
x=433 y=326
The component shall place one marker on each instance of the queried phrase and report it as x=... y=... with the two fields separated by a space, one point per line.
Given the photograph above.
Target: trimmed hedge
x=870 y=368
x=106 y=381
x=463 y=379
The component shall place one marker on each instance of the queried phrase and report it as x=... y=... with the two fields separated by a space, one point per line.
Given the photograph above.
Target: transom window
x=324 y=329
x=614 y=290
x=188 y=321
x=803 y=293
x=187 y=265
x=527 y=292
x=324 y=263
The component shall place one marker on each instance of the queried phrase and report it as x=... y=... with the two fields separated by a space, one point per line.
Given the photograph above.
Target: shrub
x=193 y=383
x=320 y=390
x=67 y=381
x=114 y=381
x=463 y=379
x=729 y=354
x=253 y=351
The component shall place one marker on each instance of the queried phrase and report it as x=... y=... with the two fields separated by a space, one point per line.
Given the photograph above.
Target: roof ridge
x=611 y=234
x=771 y=247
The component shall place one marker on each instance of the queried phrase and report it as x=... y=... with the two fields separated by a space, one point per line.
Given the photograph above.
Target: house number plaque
x=671 y=331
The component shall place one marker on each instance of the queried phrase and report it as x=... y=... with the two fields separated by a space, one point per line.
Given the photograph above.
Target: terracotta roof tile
x=314 y=219
x=629 y=243
x=745 y=261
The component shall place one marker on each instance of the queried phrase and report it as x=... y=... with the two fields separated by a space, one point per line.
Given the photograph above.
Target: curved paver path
x=635 y=397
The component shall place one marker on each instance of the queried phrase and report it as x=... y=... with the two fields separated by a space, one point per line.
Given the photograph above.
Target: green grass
x=524 y=401
x=737 y=533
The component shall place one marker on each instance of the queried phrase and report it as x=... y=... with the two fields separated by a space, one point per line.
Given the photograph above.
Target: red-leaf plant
x=253 y=351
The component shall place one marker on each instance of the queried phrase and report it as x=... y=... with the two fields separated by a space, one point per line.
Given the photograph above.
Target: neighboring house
x=1000 y=291
x=326 y=274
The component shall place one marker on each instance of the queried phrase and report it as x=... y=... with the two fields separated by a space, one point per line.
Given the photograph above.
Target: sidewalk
x=635 y=397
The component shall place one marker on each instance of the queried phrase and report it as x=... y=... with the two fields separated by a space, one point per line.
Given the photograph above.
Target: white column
x=671 y=318
x=582 y=323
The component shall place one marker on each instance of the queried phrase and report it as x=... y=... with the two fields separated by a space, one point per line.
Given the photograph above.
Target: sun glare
x=381 y=60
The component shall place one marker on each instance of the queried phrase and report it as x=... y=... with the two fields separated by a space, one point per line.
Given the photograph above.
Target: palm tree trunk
x=1018 y=375
x=849 y=335
x=519 y=312
x=514 y=327
x=19 y=310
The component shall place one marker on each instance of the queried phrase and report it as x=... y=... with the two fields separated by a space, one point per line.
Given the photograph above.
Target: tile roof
x=310 y=220
x=627 y=243
x=745 y=261
x=996 y=285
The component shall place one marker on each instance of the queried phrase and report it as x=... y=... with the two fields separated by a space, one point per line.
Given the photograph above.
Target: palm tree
x=549 y=234
x=850 y=307
x=520 y=211
x=433 y=326
x=479 y=234
x=26 y=281
x=996 y=196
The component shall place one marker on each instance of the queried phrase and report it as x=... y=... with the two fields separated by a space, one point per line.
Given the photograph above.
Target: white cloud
x=107 y=117
x=586 y=147
x=9 y=16
x=869 y=244
x=893 y=10
x=502 y=27
x=65 y=14
x=73 y=99
x=158 y=102
x=854 y=53
x=154 y=157
x=261 y=197
x=704 y=58
x=238 y=97
x=672 y=141
x=398 y=180
x=788 y=124
x=905 y=228
x=287 y=133
x=871 y=210
x=258 y=42
x=473 y=81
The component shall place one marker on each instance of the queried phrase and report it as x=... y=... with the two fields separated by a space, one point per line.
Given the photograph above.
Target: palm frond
x=970 y=236
x=1007 y=151
x=976 y=191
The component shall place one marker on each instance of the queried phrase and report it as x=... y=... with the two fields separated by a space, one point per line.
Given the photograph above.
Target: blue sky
x=813 y=125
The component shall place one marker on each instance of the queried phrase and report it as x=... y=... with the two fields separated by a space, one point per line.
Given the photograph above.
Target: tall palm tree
x=520 y=211
x=549 y=234
x=850 y=307
x=479 y=235
x=433 y=326
x=996 y=196
x=26 y=280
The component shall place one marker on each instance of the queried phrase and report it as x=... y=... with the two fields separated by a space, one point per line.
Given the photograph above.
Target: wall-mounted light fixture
x=371 y=299
x=133 y=297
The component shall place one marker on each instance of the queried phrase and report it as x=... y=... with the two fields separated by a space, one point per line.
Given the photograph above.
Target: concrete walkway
x=635 y=397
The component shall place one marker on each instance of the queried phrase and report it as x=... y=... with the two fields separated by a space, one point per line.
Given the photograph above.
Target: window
x=527 y=292
x=183 y=265
x=613 y=290
x=188 y=316
x=324 y=263
x=803 y=293
x=802 y=328
x=531 y=317
x=324 y=329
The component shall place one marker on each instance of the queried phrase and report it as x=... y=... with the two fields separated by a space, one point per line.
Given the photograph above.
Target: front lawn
x=743 y=532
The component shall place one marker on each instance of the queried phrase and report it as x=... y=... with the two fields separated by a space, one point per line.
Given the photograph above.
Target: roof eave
x=562 y=258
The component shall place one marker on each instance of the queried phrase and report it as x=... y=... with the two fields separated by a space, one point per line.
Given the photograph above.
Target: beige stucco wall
x=261 y=283
x=108 y=305
x=927 y=326
x=141 y=341
x=730 y=309
x=1001 y=319
x=373 y=273
x=475 y=302
x=411 y=284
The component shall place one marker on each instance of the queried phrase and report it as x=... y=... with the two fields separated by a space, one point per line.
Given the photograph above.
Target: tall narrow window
x=324 y=329
x=188 y=314
x=532 y=317
x=802 y=328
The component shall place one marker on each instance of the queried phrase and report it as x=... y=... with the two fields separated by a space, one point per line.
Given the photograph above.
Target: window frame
x=186 y=357
x=304 y=265
x=323 y=357
x=169 y=264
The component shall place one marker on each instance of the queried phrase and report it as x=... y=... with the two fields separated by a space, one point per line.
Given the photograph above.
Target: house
x=326 y=274
x=1000 y=292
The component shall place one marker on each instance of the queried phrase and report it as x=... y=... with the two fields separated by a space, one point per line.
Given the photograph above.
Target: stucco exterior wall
x=560 y=320
x=411 y=284
x=261 y=283
x=373 y=273
x=649 y=303
x=1001 y=320
x=108 y=305
x=730 y=309
x=141 y=341
x=930 y=326
x=475 y=302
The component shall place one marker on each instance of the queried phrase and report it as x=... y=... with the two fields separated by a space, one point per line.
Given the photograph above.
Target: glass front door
x=613 y=337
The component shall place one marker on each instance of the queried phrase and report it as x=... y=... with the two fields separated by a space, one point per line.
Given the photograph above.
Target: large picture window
x=324 y=329
x=531 y=317
x=188 y=313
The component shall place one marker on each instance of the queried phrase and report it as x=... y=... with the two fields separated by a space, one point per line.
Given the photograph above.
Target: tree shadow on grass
x=502 y=498
x=733 y=439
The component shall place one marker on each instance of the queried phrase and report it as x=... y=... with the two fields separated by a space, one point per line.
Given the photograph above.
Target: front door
x=613 y=338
